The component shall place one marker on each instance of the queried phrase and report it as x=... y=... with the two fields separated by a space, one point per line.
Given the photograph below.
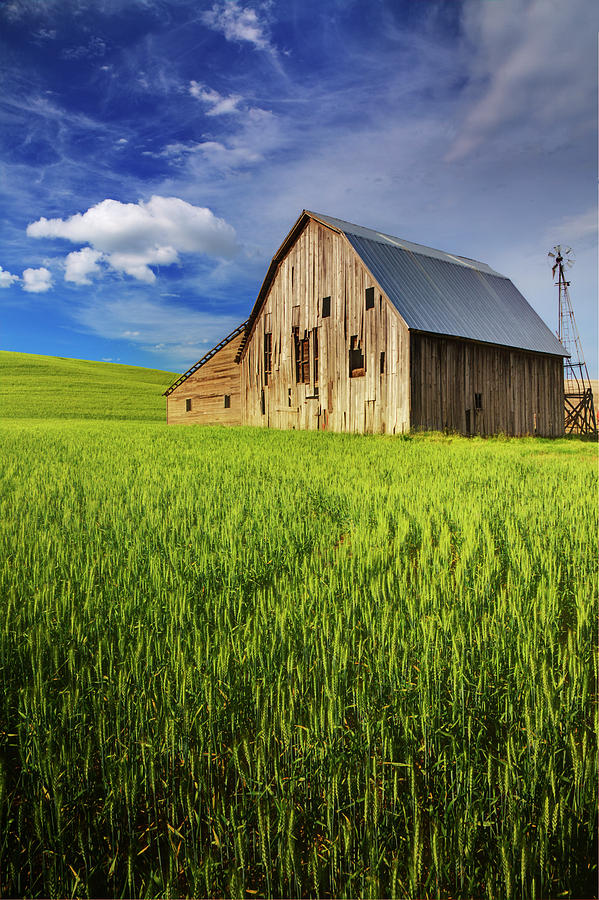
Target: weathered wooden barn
x=355 y=330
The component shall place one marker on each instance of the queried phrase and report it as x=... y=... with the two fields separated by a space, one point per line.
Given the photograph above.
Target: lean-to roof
x=205 y=359
x=435 y=291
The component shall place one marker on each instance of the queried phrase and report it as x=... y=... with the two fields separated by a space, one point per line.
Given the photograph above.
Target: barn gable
x=315 y=354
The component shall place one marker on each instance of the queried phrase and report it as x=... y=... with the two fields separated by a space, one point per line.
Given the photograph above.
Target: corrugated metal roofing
x=440 y=293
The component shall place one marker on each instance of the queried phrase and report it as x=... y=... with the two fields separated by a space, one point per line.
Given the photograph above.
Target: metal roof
x=440 y=293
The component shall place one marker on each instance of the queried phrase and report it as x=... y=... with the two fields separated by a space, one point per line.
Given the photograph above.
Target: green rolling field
x=248 y=663
x=51 y=387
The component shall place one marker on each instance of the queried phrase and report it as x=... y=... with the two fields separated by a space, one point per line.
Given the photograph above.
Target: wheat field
x=259 y=664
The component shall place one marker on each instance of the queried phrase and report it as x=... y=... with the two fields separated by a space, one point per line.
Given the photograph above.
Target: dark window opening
x=227 y=401
x=292 y=274
x=370 y=298
x=315 y=356
x=188 y=405
x=382 y=368
x=302 y=358
x=478 y=401
x=326 y=307
x=467 y=421
x=262 y=403
x=356 y=358
x=289 y=397
x=267 y=356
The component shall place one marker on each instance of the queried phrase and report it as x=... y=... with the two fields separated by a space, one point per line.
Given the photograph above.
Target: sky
x=155 y=153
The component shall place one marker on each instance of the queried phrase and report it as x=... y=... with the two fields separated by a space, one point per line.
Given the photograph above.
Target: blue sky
x=154 y=153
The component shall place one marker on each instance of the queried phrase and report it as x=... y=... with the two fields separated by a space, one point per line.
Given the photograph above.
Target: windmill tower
x=578 y=396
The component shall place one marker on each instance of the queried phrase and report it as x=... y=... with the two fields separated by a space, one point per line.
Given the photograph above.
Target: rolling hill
x=52 y=387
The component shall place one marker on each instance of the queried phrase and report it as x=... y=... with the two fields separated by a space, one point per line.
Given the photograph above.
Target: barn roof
x=205 y=359
x=440 y=293
x=433 y=291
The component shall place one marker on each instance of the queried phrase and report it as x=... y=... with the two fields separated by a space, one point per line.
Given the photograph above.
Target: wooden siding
x=321 y=263
x=521 y=393
x=206 y=389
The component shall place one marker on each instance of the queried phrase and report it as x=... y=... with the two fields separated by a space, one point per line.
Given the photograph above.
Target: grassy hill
x=43 y=387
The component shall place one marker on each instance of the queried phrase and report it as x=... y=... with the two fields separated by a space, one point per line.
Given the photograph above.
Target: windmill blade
x=558 y=249
x=568 y=250
x=551 y=254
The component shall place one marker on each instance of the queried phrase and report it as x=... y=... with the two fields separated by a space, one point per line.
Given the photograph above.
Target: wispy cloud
x=157 y=327
x=131 y=237
x=217 y=104
x=581 y=228
x=525 y=75
x=258 y=134
x=95 y=48
x=239 y=23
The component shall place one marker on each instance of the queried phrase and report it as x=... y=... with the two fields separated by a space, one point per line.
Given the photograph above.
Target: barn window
x=382 y=365
x=262 y=403
x=302 y=357
x=227 y=401
x=478 y=401
x=288 y=396
x=356 y=358
x=370 y=298
x=315 y=356
x=188 y=405
x=267 y=356
x=326 y=307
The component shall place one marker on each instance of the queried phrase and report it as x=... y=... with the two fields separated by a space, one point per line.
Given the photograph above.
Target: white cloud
x=218 y=105
x=6 y=279
x=37 y=281
x=238 y=23
x=131 y=237
x=80 y=264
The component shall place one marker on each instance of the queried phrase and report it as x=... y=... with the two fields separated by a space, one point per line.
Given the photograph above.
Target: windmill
x=578 y=396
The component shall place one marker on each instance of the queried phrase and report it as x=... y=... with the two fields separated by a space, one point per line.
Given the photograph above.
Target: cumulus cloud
x=6 y=279
x=131 y=237
x=80 y=264
x=217 y=104
x=238 y=23
x=37 y=281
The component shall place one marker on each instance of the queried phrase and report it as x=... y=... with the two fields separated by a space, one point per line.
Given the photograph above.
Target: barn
x=356 y=330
